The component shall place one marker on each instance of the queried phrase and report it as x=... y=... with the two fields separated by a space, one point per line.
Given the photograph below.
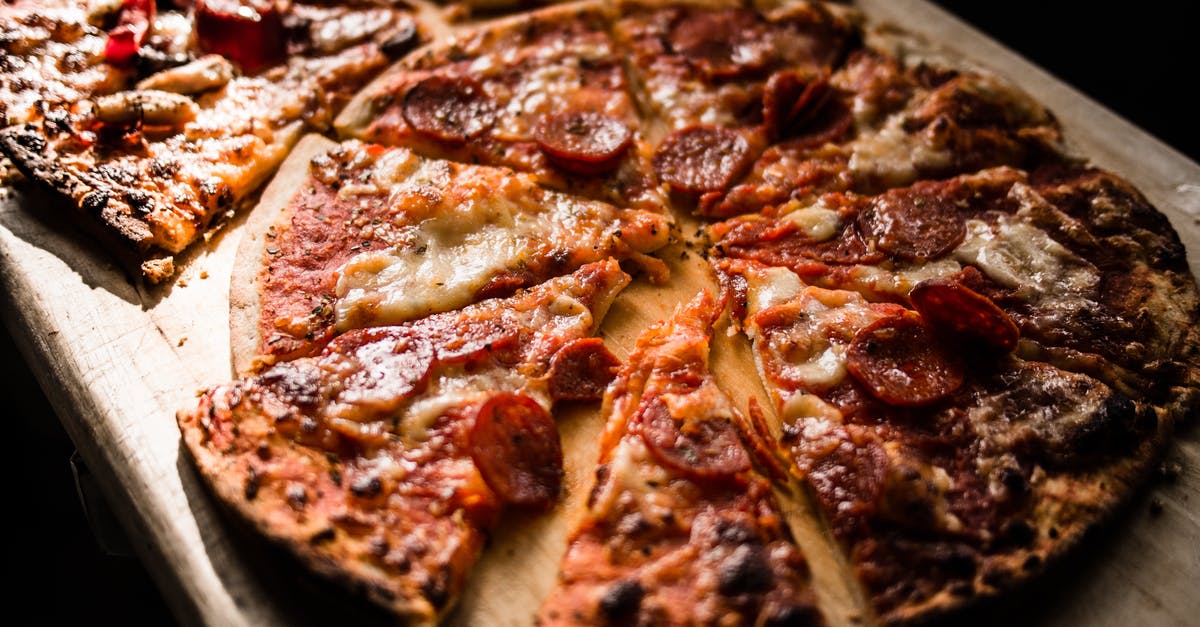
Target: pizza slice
x=879 y=122
x=384 y=460
x=159 y=163
x=53 y=55
x=544 y=93
x=1087 y=271
x=358 y=235
x=679 y=528
x=948 y=466
x=706 y=72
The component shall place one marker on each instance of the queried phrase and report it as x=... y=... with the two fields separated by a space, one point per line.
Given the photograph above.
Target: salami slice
x=900 y=361
x=705 y=448
x=452 y=109
x=581 y=370
x=390 y=365
x=515 y=445
x=960 y=310
x=723 y=44
x=803 y=109
x=700 y=159
x=584 y=142
x=912 y=226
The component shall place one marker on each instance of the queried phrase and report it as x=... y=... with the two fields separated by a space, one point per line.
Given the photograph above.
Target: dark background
x=1139 y=60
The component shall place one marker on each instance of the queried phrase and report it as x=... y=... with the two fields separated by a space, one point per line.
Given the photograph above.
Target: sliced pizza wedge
x=358 y=235
x=544 y=92
x=384 y=460
x=706 y=72
x=949 y=467
x=1074 y=259
x=679 y=528
x=157 y=163
x=880 y=122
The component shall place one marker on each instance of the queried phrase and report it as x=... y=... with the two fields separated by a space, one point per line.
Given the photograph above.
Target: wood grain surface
x=126 y=357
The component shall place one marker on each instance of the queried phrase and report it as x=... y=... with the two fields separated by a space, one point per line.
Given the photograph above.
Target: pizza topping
x=583 y=142
x=580 y=370
x=700 y=159
x=901 y=362
x=802 y=109
x=723 y=43
x=950 y=305
x=384 y=367
x=248 y=32
x=145 y=106
x=127 y=36
x=911 y=225
x=451 y=109
x=515 y=444
x=465 y=343
x=204 y=74
x=698 y=446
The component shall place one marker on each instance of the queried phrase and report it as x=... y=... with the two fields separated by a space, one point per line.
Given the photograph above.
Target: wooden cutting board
x=121 y=359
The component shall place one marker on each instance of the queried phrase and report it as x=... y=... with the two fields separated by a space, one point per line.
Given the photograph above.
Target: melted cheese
x=817 y=221
x=456 y=229
x=1018 y=255
x=771 y=287
x=892 y=156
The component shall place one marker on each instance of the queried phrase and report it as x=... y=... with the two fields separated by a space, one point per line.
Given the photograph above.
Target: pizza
x=168 y=122
x=872 y=343
x=384 y=459
x=408 y=222
x=679 y=528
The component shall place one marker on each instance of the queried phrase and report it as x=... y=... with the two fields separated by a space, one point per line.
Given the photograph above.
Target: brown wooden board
x=120 y=359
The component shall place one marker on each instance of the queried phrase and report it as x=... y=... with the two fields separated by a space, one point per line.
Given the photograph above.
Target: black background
x=1139 y=60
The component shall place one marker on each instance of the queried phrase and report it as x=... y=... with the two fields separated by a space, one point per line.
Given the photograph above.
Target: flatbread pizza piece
x=713 y=76
x=384 y=460
x=543 y=92
x=156 y=164
x=679 y=529
x=53 y=54
x=949 y=466
x=882 y=121
x=364 y=235
x=1087 y=274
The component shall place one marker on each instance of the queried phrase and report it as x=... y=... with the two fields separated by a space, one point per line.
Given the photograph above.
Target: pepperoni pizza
x=971 y=345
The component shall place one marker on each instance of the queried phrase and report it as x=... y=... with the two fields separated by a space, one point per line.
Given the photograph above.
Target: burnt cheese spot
x=622 y=600
x=794 y=616
x=744 y=571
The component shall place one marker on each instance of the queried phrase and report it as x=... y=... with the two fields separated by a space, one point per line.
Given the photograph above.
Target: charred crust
x=253 y=483
x=622 y=600
x=366 y=487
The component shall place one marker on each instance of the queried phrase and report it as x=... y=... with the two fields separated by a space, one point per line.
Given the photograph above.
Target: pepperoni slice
x=475 y=340
x=900 y=361
x=790 y=99
x=451 y=109
x=722 y=44
x=583 y=142
x=389 y=365
x=696 y=447
x=912 y=226
x=581 y=370
x=515 y=445
x=700 y=159
x=950 y=305
x=248 y=32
